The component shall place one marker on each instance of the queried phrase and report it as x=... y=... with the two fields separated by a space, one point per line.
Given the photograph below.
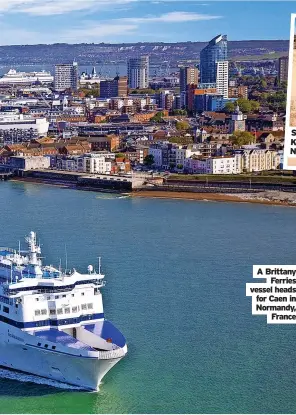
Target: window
x=83 y=307
x=52 y=311
x=56 y=297
x=37 y=312
x=37 y=299
x=67 y=310
x=89 y=306
x=59 y=311
x=44 y=312
x=46 y=345
x=74 y=309
x=5 y=309
x=64 y=296
x=82 y=293
x=39 y=344
x=53 y=347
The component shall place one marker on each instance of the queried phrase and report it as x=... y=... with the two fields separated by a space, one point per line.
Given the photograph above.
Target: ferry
x=52 y=322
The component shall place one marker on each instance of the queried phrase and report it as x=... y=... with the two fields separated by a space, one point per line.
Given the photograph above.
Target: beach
x=267 y=197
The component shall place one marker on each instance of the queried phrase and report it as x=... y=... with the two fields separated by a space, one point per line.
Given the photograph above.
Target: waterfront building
x=283 y=69
x=66 y=76
x=213 y=165
x=214 y=64
x=138 y=72
x=255 y=159
x=116 y=87
x=29 y=162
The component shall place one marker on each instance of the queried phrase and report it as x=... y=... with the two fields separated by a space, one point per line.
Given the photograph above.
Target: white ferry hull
x=84 y=372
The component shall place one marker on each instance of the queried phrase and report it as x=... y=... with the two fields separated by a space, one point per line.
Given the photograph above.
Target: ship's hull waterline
x=24 y=356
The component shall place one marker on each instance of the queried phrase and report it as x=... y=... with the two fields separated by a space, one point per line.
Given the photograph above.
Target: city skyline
x=128 y=21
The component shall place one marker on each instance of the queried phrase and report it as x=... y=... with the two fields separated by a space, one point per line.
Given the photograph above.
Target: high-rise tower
x=138 y=72
x=66 y=76
x=214 y=64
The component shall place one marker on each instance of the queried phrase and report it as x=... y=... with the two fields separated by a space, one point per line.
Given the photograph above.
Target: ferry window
x=56 y=297
x=37 y=299
x=74 y=309
x=51 y=311
x=83 y=306
x=59 y=311
x=53 y=347
x=44 y=311
x=46 y=345
x=82 y=293
x=5 y=309
x=39 y=344
x=37 y=312
x=73 y=295
x=64 y=296
x=67 y=310
x=89 y=306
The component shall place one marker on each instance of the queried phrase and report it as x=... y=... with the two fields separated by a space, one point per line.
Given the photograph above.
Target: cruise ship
x=12 y=77
x=52 y=322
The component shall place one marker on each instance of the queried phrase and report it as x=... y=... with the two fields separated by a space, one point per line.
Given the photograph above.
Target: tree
x=254 y=105
x=244 y=105
x=157 y=117
x=181 y=140
x=119 y=155
x=229 y=107
x=180 y=112
x=149 y=160
x=240 y=138
x=182 y=125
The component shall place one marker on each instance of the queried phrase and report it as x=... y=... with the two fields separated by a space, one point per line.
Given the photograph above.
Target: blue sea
x=176 y=272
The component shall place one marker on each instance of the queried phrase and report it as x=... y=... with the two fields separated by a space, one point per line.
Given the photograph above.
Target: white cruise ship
x=12 y=77
x=52 y=322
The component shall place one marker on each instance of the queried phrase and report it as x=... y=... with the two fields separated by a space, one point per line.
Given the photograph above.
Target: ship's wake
x=27 y=378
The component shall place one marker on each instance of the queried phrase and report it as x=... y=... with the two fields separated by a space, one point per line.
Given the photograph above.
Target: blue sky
x=77 y=21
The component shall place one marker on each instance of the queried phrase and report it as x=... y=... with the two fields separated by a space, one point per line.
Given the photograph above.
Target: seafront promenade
x=265 y=190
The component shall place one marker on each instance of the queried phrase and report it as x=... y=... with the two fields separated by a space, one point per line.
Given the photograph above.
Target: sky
x=112 y=21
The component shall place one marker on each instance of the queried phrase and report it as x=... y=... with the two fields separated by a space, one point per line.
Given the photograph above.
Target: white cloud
x=172 y=17
x=97 y=33
x=53 y=7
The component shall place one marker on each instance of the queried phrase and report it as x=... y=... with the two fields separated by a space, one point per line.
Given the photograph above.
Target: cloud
x=98 y=32
x=54 y=7
x=172 y=17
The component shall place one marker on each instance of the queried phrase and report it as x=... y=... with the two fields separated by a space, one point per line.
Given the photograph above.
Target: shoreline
x=160 y=194
x=209 y=197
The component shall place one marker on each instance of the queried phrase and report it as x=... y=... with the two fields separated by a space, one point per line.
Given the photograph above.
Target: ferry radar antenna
x=66 y=259
x=99 y=265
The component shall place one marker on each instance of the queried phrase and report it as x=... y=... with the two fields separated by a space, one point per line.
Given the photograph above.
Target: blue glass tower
x=214 y=52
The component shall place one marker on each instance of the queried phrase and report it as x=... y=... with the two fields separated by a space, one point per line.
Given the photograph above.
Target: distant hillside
x=89 y=54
